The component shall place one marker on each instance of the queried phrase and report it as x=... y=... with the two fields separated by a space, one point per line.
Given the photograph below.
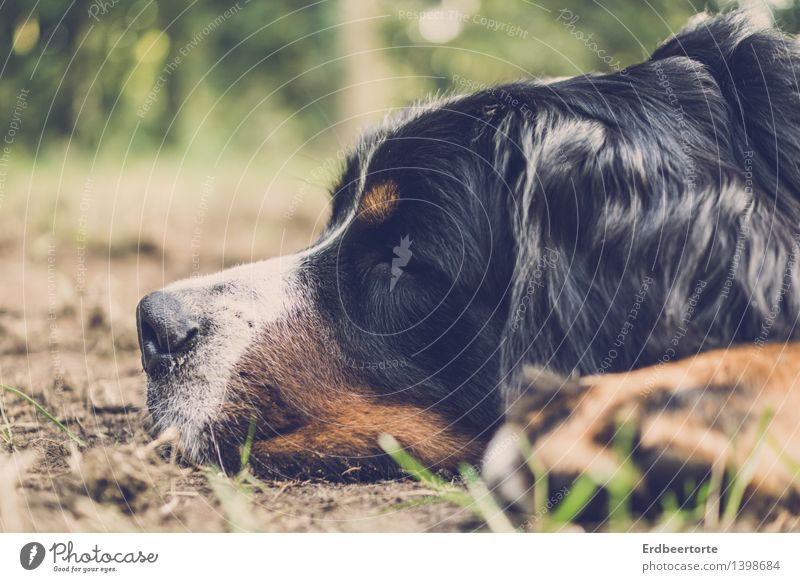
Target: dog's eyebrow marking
x=378 y=203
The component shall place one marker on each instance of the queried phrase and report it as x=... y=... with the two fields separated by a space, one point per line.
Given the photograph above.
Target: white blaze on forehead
x=265 y=285
x=332 y=238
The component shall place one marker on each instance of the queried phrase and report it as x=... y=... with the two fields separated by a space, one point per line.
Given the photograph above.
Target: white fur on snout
x=231 y=307
x=505 y=470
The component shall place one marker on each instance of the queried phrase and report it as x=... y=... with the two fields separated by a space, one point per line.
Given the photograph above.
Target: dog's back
x=731 y=84
x=676 y=180
x=757 y=72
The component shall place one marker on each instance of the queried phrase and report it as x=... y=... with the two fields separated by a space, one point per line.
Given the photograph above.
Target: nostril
x=165 y=329
x=190 y=333
x=147 y=335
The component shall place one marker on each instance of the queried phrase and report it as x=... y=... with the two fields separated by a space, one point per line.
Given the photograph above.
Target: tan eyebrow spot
x=378 y=203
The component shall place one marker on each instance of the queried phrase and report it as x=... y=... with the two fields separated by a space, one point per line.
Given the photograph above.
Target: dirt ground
x=84 y=367
x=68 y=339
x=76 y=254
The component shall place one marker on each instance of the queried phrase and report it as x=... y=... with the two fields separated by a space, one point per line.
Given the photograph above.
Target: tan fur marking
x=740 y=384
x=312 y=406
x=354 y=425
x=378 y=203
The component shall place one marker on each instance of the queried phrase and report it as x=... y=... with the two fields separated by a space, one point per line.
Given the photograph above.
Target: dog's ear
x=615 y=179
x=664 y=170
x=586 y=188
x=596 y=172
x=589 y=151
x=757 y=71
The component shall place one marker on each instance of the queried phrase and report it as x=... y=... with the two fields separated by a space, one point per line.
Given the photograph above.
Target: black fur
x=684 y=170
x=594 y=224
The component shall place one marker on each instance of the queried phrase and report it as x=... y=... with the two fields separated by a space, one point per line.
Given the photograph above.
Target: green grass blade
x=414 y=503
x=541 y=485
x=47 y=415
x=745 y=475
x=6 y=433
x=620 y=488
x=702 y=495
x=248 y=444
x=580 y=494
x=491 y=513
x=416 y=470
x=410 y=465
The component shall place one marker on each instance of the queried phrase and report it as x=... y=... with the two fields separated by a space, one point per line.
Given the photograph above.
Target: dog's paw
x=545 y=399
x=664 y=426
x=506 y=471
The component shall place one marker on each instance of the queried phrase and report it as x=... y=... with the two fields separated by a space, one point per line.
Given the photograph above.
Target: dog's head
x=522 y=223
x=391 y=322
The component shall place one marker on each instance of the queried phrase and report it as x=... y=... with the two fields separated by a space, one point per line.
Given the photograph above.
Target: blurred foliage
x=150 y=74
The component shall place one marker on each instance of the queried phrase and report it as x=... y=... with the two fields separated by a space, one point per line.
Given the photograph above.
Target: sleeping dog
x=537 y=262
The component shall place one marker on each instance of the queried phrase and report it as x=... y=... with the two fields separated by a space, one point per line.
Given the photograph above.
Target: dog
x=533 y=263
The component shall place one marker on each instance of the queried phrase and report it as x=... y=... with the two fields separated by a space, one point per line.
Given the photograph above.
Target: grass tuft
x=742 y=478
x=248 y=443
x=477 y=499
x=235 y=499
x=621 y=487
x=236 y=493
x=487 y=507
x=5 y=433
x=44 y=411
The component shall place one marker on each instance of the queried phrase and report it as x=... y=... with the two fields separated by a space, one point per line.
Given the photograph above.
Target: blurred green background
x=124 y=122
x=150 y=74
x=142 y=141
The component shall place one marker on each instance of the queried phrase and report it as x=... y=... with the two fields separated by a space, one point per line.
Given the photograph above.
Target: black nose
x=165 y=328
